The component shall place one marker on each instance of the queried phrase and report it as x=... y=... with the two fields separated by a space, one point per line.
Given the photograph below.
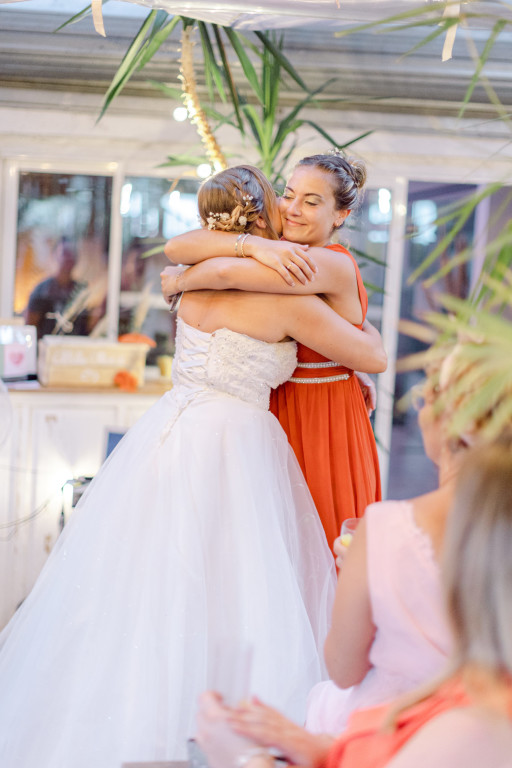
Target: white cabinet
x=55 y=437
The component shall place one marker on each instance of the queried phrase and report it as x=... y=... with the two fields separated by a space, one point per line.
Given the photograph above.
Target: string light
x=191 y=101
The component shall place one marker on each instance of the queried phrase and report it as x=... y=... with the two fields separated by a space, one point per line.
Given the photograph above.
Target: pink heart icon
x=16 y=357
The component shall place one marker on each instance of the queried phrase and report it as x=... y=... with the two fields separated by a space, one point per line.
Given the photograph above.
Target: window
x=63 y=228
x=152 y=210
x=81 y=268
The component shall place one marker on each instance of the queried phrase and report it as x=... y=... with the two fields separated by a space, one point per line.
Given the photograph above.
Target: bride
x=197 y=533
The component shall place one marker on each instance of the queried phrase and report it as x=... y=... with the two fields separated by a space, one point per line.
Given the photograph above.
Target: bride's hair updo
x=233 y=199
x=348 y=177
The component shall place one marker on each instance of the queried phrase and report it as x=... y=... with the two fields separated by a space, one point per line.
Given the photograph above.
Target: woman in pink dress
x=461 y=719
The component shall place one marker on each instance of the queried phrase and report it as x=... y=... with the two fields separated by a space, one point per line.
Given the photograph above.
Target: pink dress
x=412 y=640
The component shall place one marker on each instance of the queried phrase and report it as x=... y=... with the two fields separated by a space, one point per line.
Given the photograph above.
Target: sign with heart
x=17 y=352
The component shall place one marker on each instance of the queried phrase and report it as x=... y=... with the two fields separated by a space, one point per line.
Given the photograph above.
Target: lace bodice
x=230 y=362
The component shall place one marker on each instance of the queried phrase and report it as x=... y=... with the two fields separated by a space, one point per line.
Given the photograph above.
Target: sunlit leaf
x=255 y=124
x=447 y=23
x=211 y=67
x=87 y=11
x=229 y=79
x=497 y=29
x=279 y=55
x=159 y=35
x=364 y=255
x=353 y=141
x=246 y=63
x=128 y=65
x=174 y=160
x=169 y=90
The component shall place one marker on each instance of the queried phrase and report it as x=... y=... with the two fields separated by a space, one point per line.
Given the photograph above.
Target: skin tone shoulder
x=274 y=318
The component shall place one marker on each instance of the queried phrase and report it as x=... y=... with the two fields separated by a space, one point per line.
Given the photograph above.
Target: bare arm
x=250 y=275
x=270 y=729
x=312 y=322
x=289 y=260
x=225 y=735
x=347 y=648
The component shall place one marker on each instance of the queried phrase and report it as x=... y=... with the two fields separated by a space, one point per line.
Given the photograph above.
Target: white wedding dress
x=198 y=531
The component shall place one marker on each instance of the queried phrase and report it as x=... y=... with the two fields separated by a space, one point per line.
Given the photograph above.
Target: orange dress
x=329 y=430
x=365 y=745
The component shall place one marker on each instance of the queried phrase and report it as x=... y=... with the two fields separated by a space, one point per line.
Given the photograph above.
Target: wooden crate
x=77 y=361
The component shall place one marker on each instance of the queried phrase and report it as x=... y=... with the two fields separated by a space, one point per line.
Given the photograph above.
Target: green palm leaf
x=87 y=11
x=211 y=68
x=129 y=63
x=235 y=99
x=247 y=66
x=496 y=31
x=281 y=58
x=157 y=36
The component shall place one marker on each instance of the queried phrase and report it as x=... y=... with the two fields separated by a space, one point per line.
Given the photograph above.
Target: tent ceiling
x=368 y=69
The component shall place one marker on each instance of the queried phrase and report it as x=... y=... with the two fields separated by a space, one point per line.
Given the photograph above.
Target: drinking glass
x=348 y=528
x=231 y=670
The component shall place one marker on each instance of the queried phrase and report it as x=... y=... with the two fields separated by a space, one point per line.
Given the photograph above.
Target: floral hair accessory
x=242 y=220
x=213 y=218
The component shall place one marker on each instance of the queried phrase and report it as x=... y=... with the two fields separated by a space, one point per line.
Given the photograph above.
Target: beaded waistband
x=328 y=364
x=320 y=379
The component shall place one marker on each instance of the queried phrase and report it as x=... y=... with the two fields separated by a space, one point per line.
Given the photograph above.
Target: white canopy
x=279 y=14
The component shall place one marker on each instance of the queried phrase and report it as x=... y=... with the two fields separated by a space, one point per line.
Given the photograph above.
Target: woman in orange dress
x=321 y=408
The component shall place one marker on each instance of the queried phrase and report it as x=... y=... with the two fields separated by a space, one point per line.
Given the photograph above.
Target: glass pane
x=62 y=251
x=153 y=210
x=366 y=236
x=411 y=472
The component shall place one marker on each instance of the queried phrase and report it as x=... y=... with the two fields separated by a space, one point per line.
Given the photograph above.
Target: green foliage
x=473 y=348
x=256 y=114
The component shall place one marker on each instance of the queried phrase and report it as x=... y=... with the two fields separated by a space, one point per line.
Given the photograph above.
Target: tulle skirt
x=197 y=534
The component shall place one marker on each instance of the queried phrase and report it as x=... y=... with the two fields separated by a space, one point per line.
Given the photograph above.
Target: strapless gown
x=198 y=533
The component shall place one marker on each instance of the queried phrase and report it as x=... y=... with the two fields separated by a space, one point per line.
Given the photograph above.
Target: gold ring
x=290 y=265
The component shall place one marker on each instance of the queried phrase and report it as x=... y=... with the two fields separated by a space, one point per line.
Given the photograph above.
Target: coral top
x=329 y=430
x=365 y=745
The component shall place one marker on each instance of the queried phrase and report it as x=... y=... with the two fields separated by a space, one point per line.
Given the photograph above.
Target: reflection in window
x=153 y=210
x=366 y=236
x=411 y=473
x=62 y=251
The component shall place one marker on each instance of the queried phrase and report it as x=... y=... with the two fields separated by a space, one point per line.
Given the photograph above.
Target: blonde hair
x=232 y=200
x=477 y=567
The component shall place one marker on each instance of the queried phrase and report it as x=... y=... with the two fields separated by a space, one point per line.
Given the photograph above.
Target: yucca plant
x=473 y=347
x=497 y=252
x=255 y=112
x=271 y=130
x=442 y=19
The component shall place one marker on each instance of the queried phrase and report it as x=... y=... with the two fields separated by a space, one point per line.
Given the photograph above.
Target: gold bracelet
x=236 y=244
x=244 y=238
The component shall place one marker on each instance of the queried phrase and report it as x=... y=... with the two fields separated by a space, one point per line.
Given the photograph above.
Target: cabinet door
x=67 y=442
x=53 y=439
x=15 y=480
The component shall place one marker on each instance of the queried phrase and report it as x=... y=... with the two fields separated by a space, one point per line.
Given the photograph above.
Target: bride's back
x=260 y=315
